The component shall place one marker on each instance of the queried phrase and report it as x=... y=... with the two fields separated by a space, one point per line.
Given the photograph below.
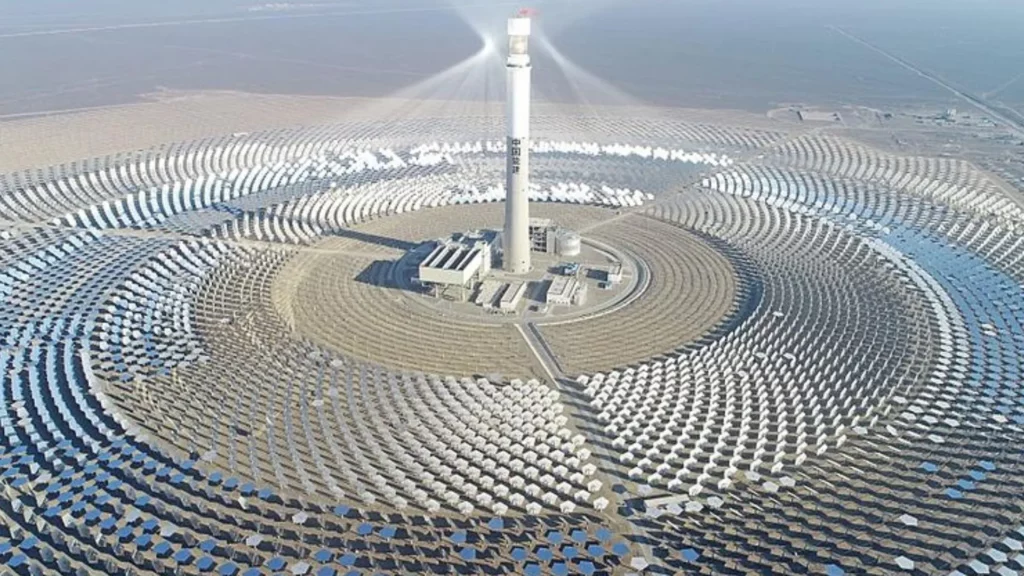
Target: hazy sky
x=750 y=54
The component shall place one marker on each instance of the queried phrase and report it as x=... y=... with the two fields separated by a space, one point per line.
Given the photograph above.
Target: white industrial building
x=487 y=297
x=547 y=238
x=566 y=291
x=457 y=262
x=500 y=296
x=512 y=296
x=613 y=273
x=542 y=235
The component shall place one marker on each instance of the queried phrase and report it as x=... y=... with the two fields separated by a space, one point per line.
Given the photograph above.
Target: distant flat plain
x=737 y=54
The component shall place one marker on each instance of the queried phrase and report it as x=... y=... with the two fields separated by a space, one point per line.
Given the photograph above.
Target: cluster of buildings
x=466 y=268
x=463 y=267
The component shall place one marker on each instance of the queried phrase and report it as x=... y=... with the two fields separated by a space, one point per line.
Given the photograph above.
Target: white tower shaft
x=516 y=259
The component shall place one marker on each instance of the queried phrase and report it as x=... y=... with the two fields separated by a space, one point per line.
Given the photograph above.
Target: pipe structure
x=516 y=237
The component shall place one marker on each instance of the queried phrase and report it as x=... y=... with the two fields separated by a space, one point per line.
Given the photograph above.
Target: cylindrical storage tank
x=569 y=243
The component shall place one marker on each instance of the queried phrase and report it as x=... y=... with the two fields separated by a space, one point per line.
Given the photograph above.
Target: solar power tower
x=516 y=258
